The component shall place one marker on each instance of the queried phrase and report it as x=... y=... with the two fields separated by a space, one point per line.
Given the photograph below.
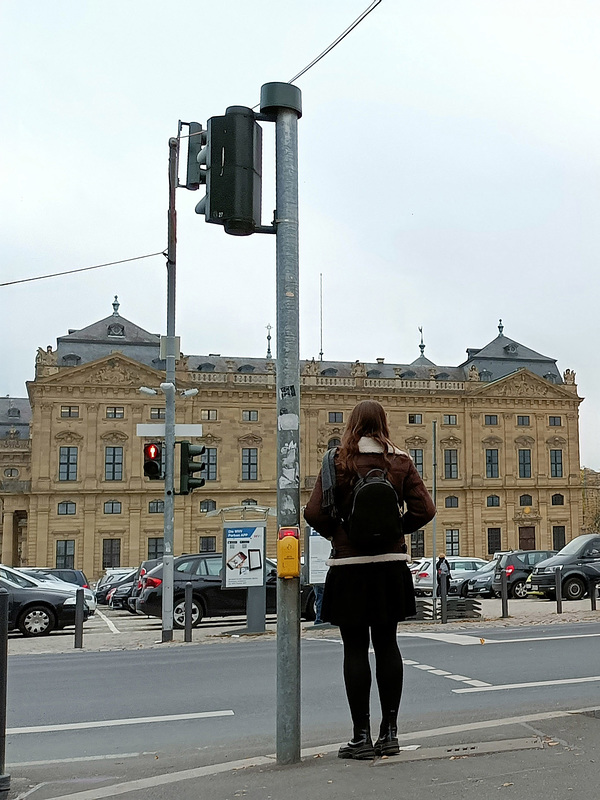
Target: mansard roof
x=15 y=414
x=504 y=355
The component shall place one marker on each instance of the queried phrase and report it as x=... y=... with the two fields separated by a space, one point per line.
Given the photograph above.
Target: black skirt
x=368 y=594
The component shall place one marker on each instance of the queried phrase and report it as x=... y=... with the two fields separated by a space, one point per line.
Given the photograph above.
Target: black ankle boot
x=387 y=743
x=361 y=745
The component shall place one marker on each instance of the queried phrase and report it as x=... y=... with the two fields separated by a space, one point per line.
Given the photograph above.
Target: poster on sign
x=319 y=550
x=243 y=554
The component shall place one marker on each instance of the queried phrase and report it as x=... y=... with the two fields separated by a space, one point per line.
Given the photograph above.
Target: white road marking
x=561 y=682
x=449 y=638
x=215 y=769
x=477 y=683
x=460 y=678
x=439 y=672
x=542 y=638
x=464 y=639
x=113 y=628
x=422 y=666
x=109 y=723
x=72 y=760
x=408 y=662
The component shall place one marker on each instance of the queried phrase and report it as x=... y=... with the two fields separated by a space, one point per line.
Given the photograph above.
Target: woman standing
x=367 y=595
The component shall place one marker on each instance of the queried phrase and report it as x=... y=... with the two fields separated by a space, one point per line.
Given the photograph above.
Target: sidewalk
x=115 y=630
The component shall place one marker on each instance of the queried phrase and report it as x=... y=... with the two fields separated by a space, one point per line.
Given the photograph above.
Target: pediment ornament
x=521 y=386
x=68 y=437
x=415 y=441
x=532 y=516
x=556 y=441
x=114 y=374
x=112 y=437
x=451 y=442
x=250 y=440
x=524 y=441
x=492 y=440
x=210 y=439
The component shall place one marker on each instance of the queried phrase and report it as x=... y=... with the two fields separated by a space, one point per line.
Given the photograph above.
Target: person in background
x=442 y=570
x=367 y=595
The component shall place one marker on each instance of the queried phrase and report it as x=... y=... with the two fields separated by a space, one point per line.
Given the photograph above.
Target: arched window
x=207 y=505
x=206 y=367
x=493 y=501
x=373 y=373
x=13 y=411
x=485 y=375
x=558 y=500
x=66 y=507
x=71 y=360
x=11 y=472
x=249 y=501
x=525 y=500
x=246 y=368
x=451 y=501
x=330 y=371
x=112 y=507
x=334 y=442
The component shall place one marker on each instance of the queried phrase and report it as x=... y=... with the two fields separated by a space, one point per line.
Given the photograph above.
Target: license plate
x=533 y=588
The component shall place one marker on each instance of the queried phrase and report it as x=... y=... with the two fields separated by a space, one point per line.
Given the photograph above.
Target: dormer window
x=511 y=349
x=246 y=368
x=485 y=375
x=408 y=374
x=71 y=360
x=550 y=376
x=373 y=373
x=442 y=376
x=329 y=372
x=13 y=412
x=206 y=367
x=116 y=329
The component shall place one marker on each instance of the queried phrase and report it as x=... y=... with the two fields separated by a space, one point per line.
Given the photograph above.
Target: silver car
x=461 y=568
x=47 y=579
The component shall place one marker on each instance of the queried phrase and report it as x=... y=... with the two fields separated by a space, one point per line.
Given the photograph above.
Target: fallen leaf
x=319 y=755
x=508 y=784
x=482 y=641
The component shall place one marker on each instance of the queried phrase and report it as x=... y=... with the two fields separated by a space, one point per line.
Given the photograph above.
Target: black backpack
x=374 y=524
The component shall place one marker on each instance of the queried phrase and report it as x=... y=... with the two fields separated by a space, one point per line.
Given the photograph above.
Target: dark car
x=579 y=562
x=104 y=587
x=76 y=576
x=136 y=590
x=519 y=565
x=120 y=595
x=480 y=584
x=209 y=599
x=36 y=610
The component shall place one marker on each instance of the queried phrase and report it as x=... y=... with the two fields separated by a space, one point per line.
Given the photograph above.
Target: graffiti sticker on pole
x=243 y=554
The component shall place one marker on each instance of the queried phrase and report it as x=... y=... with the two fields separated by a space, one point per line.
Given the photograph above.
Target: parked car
x=480 y=584
x=136 y=590
x=209 y=599
x=579 y=562
x=34 y=608
x=111 y=581
x=518 y=565
x=49 y=577
x=119 y=596
x=461 y=568
x=76 y=576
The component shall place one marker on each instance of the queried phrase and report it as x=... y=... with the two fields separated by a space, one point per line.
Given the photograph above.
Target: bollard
x=558 y=588
x=188 y=612
x=444 y=598
x=4 y=778
x=504 y=592
x=79 y=602
x=592 y=589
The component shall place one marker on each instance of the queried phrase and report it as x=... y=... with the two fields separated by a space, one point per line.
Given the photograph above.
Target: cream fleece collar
x=368 y=445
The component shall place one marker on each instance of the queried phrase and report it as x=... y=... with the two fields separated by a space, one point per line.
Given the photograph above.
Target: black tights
x=389 y=670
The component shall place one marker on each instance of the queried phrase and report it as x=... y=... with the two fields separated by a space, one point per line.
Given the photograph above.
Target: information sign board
x=319 y=550
x=243 y=554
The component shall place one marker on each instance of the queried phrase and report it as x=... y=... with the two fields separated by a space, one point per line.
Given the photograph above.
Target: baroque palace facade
x=73 y=491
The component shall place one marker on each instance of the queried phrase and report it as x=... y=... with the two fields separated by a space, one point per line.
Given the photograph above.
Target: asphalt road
x=68 y=708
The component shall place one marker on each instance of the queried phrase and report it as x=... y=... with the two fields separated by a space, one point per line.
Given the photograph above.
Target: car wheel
x=179 y=613
x=36 y=621
x=464 y=590
x=519 y=590
x=573 y=589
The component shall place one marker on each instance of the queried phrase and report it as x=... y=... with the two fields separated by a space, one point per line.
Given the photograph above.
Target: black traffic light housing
x=153 y=461
x=195 y=156
x=233 y=175
x=187 y=483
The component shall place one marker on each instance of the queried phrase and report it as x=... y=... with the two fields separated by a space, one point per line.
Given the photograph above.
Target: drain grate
x=457 y=751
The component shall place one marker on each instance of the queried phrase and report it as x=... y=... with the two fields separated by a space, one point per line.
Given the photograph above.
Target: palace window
x=449 y=419
x=491 y=464
x=526 y=500
x=417 y=544
x=210 y=459
x=66 y=507
x=115 y=412
x=65 y=553
x=67 y=466
x=555 y=422
x=113 y=464
x=208 y=414
x=524 y=463
x=415 y=419
x=11 y=472
x=451 y=501
x=249 y=464
x=556 y=465
x=450 y=463
x=112 y=507
x=558 y=500
x=558 y=537
x=208 y=505
x=157 y=413
x=111 y=553
x=249 y=415
x=156 y=507
x=69 y=411
x=334 y=442
x=336 y=416
x=494 y=540
x=417 y=457
x=523 y=420
x=453 y=542
x=249 y=501
x=493 y=501
x=208 y=544
x=491 y=419
x=156 y=547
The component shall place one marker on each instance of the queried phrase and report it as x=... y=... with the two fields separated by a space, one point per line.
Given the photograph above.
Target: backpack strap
x=328 y=481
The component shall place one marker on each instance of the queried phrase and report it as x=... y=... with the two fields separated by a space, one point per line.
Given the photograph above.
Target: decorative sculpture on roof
x=473 y=373
x=358 y=370
x=569 y=377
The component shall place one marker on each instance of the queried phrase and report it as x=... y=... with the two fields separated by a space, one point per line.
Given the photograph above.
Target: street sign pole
x=285 y=102
x=169 y=391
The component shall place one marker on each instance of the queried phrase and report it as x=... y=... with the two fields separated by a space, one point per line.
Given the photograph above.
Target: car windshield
x=573 y=548
x=16 y=578
x=490 y=567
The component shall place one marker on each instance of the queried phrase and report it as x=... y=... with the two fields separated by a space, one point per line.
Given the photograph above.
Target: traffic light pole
x=168 y=389
x=284 y=101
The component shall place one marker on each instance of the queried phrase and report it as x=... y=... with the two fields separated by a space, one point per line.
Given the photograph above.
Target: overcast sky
x=449 y=175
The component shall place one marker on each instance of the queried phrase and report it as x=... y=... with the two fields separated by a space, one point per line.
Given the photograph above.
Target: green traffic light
x=187 y=483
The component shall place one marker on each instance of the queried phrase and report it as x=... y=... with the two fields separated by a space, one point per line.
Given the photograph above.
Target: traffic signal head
x=233 y=158
x=187 y=483
x=196 y=142
x=153 y=461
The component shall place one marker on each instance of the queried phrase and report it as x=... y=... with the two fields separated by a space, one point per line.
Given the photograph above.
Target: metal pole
x=444 y=599
x=592 y=588
x=434 y=525
x=504 y=592
x=188 y=611
x=288 y=435
x=79 y=618
x=169 y=391
x=4 y=778
x=558 y=587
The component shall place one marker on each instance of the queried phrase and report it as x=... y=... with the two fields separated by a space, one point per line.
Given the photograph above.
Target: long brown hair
x=367 y=418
